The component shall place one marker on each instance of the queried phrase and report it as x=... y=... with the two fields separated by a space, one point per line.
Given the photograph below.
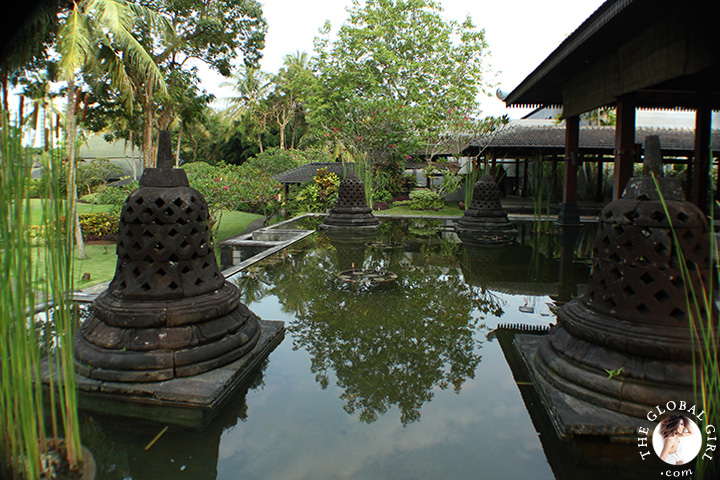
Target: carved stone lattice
x=168 y=312
x=636 y=275
x=633 y=316
x=351 y=210
x=486 y=221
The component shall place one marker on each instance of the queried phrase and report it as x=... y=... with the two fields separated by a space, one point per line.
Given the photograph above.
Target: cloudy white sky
x=520 y=34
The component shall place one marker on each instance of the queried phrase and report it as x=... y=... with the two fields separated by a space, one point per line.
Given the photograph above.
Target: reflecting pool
x=391 y=366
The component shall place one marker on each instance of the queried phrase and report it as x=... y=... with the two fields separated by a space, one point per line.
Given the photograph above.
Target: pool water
x=379 y=376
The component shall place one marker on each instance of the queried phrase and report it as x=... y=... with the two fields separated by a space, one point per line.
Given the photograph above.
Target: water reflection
x=119 y=445
x=394 y=343
x=590 y=458
x=370 y=350
x=388 y=344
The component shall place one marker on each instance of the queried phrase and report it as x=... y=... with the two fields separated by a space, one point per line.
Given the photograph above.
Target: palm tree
x=98 y=34
x=251 y=86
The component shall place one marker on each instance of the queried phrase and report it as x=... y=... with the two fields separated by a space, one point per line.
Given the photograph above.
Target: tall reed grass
x=22 y=422
x=471 y=178
x=701 y=302
x=364 y=169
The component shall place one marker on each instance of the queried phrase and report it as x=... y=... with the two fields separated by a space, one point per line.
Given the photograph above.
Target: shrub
x=274 y=160
x=34 y=188
x=306 y=200
x=245 y=187
x=94 y=174
x=426 y=200
x=380 y=206
x=316 y=196
x=91 y=198
x=382 y=196
x=99 y=225
x=402 y=184
x=423 y=200
x=112 y=195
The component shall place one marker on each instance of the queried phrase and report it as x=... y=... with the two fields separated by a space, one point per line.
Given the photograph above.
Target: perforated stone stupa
x=351 y=211
x=168 y=312
x=485 y=221
x=633 y=319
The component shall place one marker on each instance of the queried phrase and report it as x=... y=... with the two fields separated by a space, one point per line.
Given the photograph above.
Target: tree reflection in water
x=389 y=343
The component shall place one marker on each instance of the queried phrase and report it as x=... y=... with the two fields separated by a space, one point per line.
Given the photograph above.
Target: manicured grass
x=101 y=262
x=99 y=265
x=450 y=209
x=36 y=210
x=233 y=223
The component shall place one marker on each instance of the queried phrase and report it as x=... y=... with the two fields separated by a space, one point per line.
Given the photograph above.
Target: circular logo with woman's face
x=677 y=440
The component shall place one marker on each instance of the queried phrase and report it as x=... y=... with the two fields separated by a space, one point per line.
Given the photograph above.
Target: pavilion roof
x=660 y=52
x=601 y=138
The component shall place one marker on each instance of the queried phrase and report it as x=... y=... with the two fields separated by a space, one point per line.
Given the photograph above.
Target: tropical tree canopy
x=395 y=71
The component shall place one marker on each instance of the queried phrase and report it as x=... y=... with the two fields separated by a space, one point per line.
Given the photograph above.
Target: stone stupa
x=633 y=319
x=168 y=312
x=351 y=212
x=485 y=221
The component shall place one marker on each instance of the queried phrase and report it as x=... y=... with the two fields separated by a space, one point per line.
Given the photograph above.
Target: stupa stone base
x=189 y=401
x=571 y=416
x=343 y=222
x=496 y=235
x=581 y=369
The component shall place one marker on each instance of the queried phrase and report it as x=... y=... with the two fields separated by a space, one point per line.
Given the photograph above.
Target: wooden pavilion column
x=624 y=145
x=553 y=175
x=701 y=167
x=569 y=212
x=599 y=180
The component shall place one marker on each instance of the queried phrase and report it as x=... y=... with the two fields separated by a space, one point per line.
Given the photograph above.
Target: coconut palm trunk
x=71 y=127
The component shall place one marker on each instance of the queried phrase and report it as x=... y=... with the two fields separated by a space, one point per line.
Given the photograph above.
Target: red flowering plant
x=233 y=187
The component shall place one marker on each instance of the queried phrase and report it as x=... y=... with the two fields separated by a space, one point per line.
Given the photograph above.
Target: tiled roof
x=306 y=172
x=591 y=138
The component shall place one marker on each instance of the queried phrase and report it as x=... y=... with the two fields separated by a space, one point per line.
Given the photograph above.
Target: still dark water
x=398 y=372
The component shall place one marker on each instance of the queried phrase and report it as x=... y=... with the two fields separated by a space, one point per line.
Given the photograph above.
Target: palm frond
x=74 y=43
x=118 y=19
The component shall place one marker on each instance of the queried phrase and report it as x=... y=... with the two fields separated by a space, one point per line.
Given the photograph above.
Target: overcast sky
x=520 y=34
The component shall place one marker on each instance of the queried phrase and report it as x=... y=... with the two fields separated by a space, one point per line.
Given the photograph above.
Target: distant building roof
x=677 y=141
x=306 y=172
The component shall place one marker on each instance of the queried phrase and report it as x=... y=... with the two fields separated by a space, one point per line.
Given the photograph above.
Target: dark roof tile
x=553 y=136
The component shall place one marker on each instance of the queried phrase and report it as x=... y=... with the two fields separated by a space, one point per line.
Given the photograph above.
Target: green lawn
x=101 y=261
x=36 y=210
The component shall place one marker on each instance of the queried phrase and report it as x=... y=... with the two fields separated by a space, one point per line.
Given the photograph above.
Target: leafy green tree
x=394 y=70
x=214 y=32
x=29 y=46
